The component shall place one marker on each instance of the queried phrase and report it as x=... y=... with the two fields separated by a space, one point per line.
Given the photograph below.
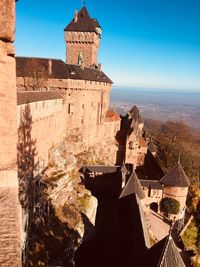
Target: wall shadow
x=101 y=249
x=27 y=164
x=118 y=239
x=26 y=154
x=52 y=242
x=121 y=138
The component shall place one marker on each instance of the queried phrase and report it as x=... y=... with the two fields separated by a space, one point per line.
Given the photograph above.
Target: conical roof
x=84 y=23
x=164 y=254
x=176 y=177
x=132 y=186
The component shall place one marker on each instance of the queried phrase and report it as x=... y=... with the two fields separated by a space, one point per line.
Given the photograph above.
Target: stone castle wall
x=135 y=150
x=85 y=42
x=178 y=193
x=154 y=196
x=80 y=123
x=48 y=125
x=84 y=108
x=10 y=219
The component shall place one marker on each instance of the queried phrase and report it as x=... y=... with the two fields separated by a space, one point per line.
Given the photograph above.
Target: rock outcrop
x=64 y=213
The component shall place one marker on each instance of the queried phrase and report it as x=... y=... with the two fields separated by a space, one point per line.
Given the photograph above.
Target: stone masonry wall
x=48 y=126
x=179 y=194
x=85 y=42
x=86 y=104
x=51 y=124
x=10 y=219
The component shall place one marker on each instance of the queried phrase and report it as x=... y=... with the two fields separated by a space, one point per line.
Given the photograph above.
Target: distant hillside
x=174 y=140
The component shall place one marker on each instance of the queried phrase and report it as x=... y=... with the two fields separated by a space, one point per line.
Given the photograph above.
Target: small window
x=43 y=104
x=69 y=108
x=83 y=106
x=130 y=145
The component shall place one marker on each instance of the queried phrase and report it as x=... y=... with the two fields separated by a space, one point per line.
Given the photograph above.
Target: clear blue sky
x=145 y=43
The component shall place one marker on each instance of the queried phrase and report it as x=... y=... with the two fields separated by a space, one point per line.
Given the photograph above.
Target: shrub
x=169 y=206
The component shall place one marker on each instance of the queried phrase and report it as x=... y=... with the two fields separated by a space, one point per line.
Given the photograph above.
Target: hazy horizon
x=159 y=104
x=155 y=89
x=144 y=43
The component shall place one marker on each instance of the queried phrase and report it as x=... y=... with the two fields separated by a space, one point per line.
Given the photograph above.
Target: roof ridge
x=135 y=187
x=164 y=250
x=30 y=57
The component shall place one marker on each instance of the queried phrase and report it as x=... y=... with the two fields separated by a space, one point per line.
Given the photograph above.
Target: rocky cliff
x=64 y=212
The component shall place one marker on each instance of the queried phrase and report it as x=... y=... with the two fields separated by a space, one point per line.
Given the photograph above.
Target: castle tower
x=82 y=36
x=175 y=185
x=10 y=211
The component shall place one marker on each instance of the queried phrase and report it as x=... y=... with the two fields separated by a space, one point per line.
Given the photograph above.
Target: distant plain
x=159 y=104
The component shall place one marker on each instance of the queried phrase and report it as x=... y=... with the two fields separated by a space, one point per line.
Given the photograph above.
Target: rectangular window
x=69 y=108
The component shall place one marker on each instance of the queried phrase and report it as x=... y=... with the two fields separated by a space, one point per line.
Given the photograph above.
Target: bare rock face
x=7 y=20
x=68 y=212
x=69 y=196
x=103 y=153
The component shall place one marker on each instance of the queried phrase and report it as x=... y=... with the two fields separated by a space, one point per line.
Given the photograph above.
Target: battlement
x=82 y=36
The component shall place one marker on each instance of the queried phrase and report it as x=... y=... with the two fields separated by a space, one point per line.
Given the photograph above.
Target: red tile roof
x=112 y=116
x=142 y=142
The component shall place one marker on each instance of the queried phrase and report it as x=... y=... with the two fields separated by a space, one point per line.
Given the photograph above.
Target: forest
x=175 y=141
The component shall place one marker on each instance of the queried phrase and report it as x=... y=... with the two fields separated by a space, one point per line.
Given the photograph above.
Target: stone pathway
x=155 y=223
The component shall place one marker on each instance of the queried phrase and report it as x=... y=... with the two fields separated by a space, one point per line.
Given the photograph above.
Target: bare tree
x=35 y=74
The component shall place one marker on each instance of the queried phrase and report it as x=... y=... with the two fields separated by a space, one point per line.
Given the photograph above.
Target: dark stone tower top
x=82 y=36
x=82 y=22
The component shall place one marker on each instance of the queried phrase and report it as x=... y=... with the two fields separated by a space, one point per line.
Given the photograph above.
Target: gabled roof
x=26 y=97
x=164 y=254
x=132 y=186
x=112 y=116
x=84 y=23
x=176 y=177
x=100 y=169
x=150 y=170
x=142 y=142
x=27 y=66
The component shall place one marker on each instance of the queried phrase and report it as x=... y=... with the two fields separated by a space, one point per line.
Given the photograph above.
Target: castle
x=76 y=97
x=70 y=101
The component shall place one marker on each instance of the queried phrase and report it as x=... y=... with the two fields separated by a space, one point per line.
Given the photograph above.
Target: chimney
x=75 y=16
x=50 y=67
x=100 y=67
